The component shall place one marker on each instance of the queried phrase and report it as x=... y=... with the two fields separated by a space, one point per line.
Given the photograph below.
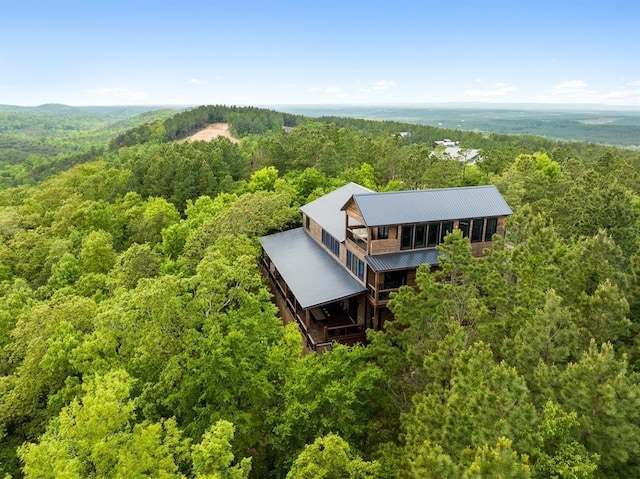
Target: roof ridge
x=423 y=190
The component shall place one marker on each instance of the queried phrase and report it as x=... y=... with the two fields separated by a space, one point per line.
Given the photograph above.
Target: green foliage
x=212 y=457
x=95 y=437
x=556 y=452
x=337 y=392
x=498 y=462
x=137 y=335
x=607 y=401
x=331 y=457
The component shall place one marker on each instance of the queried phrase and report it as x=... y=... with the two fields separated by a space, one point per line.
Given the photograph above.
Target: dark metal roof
x=312 y=274
x=403 y=260
x=326 y=210
x=418 y=206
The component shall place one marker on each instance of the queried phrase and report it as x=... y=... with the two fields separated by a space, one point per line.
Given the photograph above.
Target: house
x=334 y=275
x=451 y=149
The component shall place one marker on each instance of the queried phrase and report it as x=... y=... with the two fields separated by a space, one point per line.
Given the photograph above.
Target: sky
x=324 y=52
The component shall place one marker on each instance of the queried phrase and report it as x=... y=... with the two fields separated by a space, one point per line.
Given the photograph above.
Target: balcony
x=327 y=325
x=382 y=296
x=359 y=236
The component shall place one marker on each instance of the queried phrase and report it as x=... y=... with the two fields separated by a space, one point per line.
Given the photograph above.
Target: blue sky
x=275 y=52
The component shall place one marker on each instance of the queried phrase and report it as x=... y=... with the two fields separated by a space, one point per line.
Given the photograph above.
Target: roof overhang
x=312 y=274
x=404 y=260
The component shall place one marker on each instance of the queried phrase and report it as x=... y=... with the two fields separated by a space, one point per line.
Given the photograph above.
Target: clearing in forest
x=213 y=131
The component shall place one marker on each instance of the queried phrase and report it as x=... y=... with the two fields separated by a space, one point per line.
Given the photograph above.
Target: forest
x=591 y=123
x=138 y=337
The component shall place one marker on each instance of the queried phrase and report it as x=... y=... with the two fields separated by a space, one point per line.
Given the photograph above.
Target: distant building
x=446 y=143
x=452 y=150
x=333 y=276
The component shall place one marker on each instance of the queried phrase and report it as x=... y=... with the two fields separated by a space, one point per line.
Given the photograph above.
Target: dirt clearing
x=212 y=132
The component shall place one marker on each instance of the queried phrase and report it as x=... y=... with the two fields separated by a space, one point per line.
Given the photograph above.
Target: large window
x=447 y=227
x=331 y=243
x=406 y=240
x=394 y=279
x=434 y=234
x=420 y=240
x=463 y=225
x=492 y=228
x=423 y=235
x=477 y=230
x=355 y=265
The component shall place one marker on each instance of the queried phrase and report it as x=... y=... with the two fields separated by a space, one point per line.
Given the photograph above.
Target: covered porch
x=314 y=290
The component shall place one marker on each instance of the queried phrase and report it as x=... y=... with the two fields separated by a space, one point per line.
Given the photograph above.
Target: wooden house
x=334 y=275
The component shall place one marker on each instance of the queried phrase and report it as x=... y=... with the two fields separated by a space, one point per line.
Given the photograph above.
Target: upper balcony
x=359 y=236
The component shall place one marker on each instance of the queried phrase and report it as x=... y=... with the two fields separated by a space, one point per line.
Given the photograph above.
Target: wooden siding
x=389 y=245
x=315 y=230
x=352 y=211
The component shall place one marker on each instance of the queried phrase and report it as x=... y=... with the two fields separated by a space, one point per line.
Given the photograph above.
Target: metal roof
x=326 y=210
x=312 y=274
x=420 y=206
x=403 y=260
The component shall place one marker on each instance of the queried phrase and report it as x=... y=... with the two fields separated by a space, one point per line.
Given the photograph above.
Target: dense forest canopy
x=138 y=337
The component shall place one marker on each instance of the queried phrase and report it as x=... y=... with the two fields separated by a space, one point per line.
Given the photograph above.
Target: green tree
x=499 y=462
x=556 y=452
x=320 y=397
x=96 y=436
x=606 y=398
x=331 y=457
x=478 y=403
x=97 y=254
x=137 y=262
x=213 y=456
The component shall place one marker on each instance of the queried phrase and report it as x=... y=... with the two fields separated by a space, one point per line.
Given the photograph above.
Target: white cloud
x=118 y=94
x=498 y=90
x=379 y=86
x=578 y=91
x=571 y=89
x=194 y=81
x=630 y=90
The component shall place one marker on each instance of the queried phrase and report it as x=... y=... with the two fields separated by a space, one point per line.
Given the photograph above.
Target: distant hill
x=615 y=126
x=60 y=109
x=52 y=137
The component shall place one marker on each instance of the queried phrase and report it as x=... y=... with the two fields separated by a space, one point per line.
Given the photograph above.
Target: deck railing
x=354 y=238
x=380 y=296
x=317 y=337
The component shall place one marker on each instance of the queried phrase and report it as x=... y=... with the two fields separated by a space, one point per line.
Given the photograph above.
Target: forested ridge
x=138 y=337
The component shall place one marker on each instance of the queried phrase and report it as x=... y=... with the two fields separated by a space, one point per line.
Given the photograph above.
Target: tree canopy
x=138 y=337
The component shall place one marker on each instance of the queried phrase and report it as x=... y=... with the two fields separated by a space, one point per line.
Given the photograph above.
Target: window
x=394 y=279
x=307 y=222
x=331 y=243
x=477 y=228
x=447 y=227
x=434 y=234
x=420 y=240
x=492 y=228
x=355 y=265
x=463 y=225
x=406 y=240
x=383 y=232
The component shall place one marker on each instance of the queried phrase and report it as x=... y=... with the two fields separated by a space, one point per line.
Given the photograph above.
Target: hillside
x=138 y=337
x=39 y=141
